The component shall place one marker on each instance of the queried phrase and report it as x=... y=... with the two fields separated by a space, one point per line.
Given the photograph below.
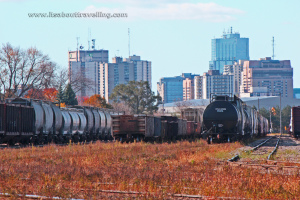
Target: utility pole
x=271 y=119
x=280 y=113
x=128 y=42
x=273 y=44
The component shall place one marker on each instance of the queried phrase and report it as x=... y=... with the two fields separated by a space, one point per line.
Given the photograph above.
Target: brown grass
x=155 y=170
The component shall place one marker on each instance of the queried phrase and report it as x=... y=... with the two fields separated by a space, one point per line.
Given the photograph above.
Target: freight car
x=194 y=117
x=149 y=128
x=295 y=122
x=37 y=122
x=229 y=118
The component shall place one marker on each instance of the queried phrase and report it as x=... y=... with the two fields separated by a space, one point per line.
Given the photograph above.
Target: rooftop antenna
x=273 y=45
x=89 y=38
x=128 y=42
x=77 y=38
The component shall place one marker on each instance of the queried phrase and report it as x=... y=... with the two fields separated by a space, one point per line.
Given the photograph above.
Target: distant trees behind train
x=275 y=115
x=137 y=96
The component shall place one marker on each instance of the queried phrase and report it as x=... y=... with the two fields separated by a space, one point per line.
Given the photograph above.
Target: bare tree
x=121 y=106
x=79 y=82
x=22 y=70
x=61 y=78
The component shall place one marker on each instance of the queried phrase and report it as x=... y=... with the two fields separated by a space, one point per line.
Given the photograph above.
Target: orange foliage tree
x=34 y=94
x=97 y=101
x=48 y=94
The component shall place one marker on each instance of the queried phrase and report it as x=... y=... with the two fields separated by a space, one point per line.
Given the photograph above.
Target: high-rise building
x=113 y=74
x=188 y=89
x=267 y=77
x=215 y=83
x=227 y=50
x=198 y=88
x=142 y=69
x=171 y=88
x=235 y=70
x=84 y=67
x=121 y=71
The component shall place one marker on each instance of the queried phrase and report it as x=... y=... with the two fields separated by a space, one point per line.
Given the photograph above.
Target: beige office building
x=267 y=77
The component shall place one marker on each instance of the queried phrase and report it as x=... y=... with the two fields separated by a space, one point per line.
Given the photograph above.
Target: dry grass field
x=137 y=170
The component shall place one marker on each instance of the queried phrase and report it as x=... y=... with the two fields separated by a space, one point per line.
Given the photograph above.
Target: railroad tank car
x=64 y=135
x=223 y=118
x=97 y=124
x=108 y=123
x=229 y=118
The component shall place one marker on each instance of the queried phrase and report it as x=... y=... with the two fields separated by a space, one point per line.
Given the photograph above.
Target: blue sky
x=174 y=35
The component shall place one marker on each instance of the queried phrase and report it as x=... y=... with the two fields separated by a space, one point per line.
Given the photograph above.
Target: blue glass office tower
x=171 y=88
x=227 y=50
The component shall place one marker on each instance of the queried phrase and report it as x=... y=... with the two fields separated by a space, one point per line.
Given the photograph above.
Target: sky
x=174 y=35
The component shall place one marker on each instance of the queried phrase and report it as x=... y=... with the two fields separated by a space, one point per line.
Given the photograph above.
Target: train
x=29 y=121
x=294 y=128
x=228 y=118
x=154 y=128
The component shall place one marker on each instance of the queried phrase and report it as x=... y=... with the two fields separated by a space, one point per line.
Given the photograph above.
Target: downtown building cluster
x=91 y=68
x=231 y=72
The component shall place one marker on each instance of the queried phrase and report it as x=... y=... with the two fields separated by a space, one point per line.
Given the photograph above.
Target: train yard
x=179 y=169
x=96 y=154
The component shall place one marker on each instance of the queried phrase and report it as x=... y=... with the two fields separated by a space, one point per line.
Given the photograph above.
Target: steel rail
x=275 y=149
x=237 y=157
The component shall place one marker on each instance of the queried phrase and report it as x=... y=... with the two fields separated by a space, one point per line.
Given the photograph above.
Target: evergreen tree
x=69 y=96
x=60 y=95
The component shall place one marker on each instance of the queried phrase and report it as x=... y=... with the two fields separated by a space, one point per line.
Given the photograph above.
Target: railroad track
x=270 y=156
x=268 y=165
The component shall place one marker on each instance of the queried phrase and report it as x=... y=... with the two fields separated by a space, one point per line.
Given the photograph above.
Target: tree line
x=275 y=117
x=31 y=74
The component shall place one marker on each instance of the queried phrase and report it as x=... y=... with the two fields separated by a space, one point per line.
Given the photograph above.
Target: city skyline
x=175 y=36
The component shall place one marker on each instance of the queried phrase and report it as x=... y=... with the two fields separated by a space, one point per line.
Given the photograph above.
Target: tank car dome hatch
x=222 y=114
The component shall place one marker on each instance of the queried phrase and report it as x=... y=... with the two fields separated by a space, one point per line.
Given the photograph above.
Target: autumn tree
x=137 y=95
x=34 y=94
x=97 y=101
x=23 y=70
x=69 y=96
x=50 y=94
